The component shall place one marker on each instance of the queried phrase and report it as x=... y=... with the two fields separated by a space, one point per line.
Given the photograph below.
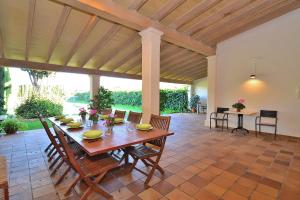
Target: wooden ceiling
x=101 y=36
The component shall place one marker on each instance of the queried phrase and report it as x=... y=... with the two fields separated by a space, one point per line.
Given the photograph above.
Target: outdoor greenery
x=133 y=98
x=10 y=126
x=2 y=85
x=33 y=105
x=102 y=100
x=36 y=76
x=80 y=97
x=193 y=101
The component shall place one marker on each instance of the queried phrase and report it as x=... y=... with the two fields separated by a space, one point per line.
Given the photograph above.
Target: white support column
x=94 y=85
x=150 y=72
x=211 y=90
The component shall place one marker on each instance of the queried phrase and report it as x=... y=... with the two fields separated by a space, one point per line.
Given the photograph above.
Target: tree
x=2 y=85
x=36 y=76
x=102 y=100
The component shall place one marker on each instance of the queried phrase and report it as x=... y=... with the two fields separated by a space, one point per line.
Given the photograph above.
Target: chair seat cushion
x=94 y=165
x=141 y=151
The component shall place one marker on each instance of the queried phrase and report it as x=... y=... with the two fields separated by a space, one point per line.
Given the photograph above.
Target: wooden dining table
x=119 y=138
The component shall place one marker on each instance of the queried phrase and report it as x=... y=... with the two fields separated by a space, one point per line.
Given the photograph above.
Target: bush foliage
x=172 y=100
x=33 y=105
x=102 y=100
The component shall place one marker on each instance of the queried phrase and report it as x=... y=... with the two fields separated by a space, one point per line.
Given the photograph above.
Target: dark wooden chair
x=219 y=116
x=120 y=114
x=266 y=114
x=146 y=153
x=50 y=147
x=91 y=170
x=134 y=117
x=106 y=111
x=4 y=178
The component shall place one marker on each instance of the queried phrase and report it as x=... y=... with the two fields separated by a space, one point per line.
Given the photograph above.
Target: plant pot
x=83 y=118
x=10 y=131
x=238 y=110
x=95 y=121
x=193 y=110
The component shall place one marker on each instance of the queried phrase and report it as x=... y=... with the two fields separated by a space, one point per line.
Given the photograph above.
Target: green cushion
x=92 y=134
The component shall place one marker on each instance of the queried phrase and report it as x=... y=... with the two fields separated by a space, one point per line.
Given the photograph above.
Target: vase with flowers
x=93 y=116
x=82 y=114
x=239 y=105
x=109 y=123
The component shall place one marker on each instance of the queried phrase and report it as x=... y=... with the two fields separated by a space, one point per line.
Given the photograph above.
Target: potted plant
x=239 y=105
x=83 y=113
x=10 y=126
x=193 y=102
x=93 y=115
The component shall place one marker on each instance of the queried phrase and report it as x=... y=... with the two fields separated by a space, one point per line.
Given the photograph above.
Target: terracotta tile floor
x=198 y=163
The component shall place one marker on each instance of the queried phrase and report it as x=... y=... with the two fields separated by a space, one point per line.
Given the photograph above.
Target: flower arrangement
x=239 y=105
x=93 y=115
x=82 y=112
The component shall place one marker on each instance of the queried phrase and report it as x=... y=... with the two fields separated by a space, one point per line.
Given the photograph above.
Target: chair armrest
x=212 y=114
x=225 y=116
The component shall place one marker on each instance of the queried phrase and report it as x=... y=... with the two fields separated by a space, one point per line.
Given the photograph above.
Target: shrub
x=80 y=97
x=170 y=100
x=10 y=126
x=33 y=105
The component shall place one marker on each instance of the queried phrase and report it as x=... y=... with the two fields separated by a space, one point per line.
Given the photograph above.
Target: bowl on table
x=144 y=127
x=66 y=120
x=74 y=125
x=92 y=134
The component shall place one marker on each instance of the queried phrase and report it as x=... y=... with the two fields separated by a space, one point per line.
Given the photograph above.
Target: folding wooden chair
x=120 y=114
x=91 y=170
x=134 y=117
x=146 y=153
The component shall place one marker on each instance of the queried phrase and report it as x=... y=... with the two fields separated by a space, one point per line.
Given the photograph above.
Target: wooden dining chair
x=259 y=121
x=150 y=155
x=50 y=147
x=91 y=170
x=120 y=114
x=134 y=117
x=106 y=111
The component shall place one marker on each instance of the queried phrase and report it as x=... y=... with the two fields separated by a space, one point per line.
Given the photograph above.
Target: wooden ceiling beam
x=132 y=63
x=137 y=4
x=195 y=11
x=60 y=68
x=188 y=70
x=186 y=63
x=30 y=19
x=177 y=54
x=82 y=37
x=166 y=9
x=253 y=21
x=233 y=17
x=110 y=33
x=218 y=14
x=58 y=30
x=117 y=50
x=180 y=61
x=111 y=11
x=124 y=59
x=190 y=74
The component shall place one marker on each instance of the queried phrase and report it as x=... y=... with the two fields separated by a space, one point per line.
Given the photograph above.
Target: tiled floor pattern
x=198 y=163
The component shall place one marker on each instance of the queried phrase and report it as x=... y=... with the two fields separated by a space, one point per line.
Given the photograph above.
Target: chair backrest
x=163 y=123
x=134 y=117
x=106 y=111
x=160 y=122
x=268 y=113
x=222 y=110
x=69 y=153
x=51 y=136
x=120 y=114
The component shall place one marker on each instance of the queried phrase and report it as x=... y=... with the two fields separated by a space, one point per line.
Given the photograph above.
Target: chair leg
x=86 y=193
x=209 y=123
x=150 y=174
x=52 y=156
x=222 y=124
x=275 y=135
x=6 y=193
x=255 y=130
x=133 y=164
x=227 y=124
x=51 y=151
